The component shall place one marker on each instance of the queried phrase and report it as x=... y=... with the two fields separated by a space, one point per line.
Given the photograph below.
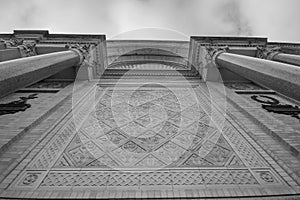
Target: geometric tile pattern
x=176 y=177
x=147 y=128
x=149 y=137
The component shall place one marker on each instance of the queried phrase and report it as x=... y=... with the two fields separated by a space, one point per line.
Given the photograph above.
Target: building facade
x=86 y=117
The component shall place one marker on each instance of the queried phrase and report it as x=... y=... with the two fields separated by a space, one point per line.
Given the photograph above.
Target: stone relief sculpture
x=16 y=106
x=273 y=105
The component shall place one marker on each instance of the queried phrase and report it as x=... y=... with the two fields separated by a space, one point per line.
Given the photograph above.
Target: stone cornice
x=137 y=73
x=131 y=65
x=284 y=44
x=230 y=41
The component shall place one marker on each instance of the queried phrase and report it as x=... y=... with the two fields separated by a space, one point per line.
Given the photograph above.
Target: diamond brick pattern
x=143 y=127
x=144 y=178
x=148 y=138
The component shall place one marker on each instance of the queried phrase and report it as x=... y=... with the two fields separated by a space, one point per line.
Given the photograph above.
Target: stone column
x=283 y=78
x=9 y=54
x=275 y=54
x=19 y=73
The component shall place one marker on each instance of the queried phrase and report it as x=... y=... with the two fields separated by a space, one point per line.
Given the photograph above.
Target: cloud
x=231 y=14
x=276 y=19
x=279 y=20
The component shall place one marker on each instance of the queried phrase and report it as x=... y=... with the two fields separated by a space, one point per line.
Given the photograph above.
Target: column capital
x=268 y=52
x=26 y=48
x=81 y=49
x=13 y=42
x=214 y=51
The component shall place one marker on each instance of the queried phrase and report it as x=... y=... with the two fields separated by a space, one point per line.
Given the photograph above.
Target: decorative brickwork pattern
x=143 y=139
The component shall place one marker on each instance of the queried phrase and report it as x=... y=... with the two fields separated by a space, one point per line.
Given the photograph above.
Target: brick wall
x=14 y=125
x=278 y=134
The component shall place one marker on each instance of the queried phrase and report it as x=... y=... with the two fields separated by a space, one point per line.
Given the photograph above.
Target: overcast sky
x=279 y=20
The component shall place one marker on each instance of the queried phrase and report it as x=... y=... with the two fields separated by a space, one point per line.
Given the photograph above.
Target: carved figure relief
x=16 y=106
x=273 y=105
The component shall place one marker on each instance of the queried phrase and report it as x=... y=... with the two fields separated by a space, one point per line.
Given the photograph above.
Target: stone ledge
x=205 y=193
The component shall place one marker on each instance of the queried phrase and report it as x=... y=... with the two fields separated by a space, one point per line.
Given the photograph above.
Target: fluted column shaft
x=284 y=78
x=19 y=73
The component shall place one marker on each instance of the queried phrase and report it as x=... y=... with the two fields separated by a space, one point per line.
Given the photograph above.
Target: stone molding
x=283 y=45
x=137 y=73
x=229 y=41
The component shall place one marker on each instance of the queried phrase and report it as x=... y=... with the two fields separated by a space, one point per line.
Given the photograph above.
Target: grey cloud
x=231 y=14
x=191 y=17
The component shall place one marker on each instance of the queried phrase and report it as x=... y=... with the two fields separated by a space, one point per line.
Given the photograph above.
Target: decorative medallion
x=243 y=86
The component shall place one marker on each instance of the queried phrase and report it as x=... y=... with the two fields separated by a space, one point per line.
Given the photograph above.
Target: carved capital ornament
x=13 y=42
x=268 y=52
x=81 y=50
x=26 y=48
x=214 y=51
